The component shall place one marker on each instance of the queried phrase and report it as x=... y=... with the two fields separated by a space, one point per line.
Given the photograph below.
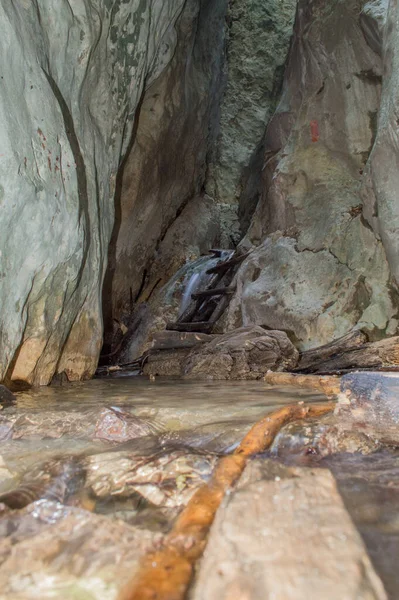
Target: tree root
x=166 y=573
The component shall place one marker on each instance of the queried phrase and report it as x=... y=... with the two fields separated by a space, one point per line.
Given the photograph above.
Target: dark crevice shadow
x=80 y=169
x=108 y=284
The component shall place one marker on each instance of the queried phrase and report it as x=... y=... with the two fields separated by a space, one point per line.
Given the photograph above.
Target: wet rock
x=369 y=488
x=47 y=425
x=369 y=401
x=166 y=362
x=48 y=550
x=5 y=474
x=56 y=480
x=116 y=425
x=301 y=443
x=289 y=538
x=246 y=353
x=6 y=397
x=167 y=479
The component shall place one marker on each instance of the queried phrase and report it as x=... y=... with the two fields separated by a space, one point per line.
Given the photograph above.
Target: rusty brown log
x=166 y=573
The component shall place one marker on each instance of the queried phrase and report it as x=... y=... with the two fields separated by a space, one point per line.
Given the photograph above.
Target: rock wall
x=319 y=268
x=259 y=34
x=72 y=74
x=165 y=170
x=381 y=187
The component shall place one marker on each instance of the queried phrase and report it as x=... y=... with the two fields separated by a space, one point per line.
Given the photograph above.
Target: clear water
x=186 y=421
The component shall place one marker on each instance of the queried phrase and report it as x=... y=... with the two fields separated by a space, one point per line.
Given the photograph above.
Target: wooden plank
x=224 y=266
x=214 y=292
x=200 y=326
x=219 y=310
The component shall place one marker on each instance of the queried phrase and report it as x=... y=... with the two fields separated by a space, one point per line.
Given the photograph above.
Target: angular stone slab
x=286 y=538
x=370 y=401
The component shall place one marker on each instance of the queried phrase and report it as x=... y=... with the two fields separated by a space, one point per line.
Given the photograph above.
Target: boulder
x=285 y=533
x=319 y=268
x=246 y=353
x=48 y=550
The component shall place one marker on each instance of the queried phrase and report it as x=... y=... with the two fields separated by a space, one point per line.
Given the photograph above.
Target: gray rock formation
x=246 y=353
x=259 y=34
x=70 y=82
x=319 y=268
x=381 y=189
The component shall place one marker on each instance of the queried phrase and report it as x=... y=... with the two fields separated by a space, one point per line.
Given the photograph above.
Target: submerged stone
x=369 y=400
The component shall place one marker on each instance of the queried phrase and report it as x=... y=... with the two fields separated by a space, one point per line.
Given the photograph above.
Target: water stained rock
x=167 y=479
x=370 y=402
x=49 y=550
x=285 y=537
x=116 y=425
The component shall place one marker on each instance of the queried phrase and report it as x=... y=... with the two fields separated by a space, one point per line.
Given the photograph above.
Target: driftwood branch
x=224 y=266
x=215 y=292
x=310 y=359
x=200 y=326
x=373 y=355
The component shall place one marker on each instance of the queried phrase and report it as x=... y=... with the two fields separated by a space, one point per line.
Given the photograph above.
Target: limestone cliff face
x=165 y=170
x=140 y=133
x=319 y=268
x=71 y=75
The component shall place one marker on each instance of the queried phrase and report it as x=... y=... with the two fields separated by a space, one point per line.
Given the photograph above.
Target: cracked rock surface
x=319 y=267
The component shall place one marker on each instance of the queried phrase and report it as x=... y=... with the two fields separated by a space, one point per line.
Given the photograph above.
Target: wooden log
x=200 y=326
x=171 y=340
x=166 y=573
x=328 y=385
x=310 y=359
x=219 y=310
x=214 y=292
x=373 y=355
x=224 y=266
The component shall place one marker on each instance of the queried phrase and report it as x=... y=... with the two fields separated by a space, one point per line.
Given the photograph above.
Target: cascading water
x=197 y=278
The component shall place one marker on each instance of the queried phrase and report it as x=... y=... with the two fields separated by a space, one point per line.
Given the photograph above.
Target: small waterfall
x=197 y=279
x=189 y=289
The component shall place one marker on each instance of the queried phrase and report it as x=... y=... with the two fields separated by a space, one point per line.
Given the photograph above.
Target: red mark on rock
x=40 y=132
x=49 y=163
x=314 y=130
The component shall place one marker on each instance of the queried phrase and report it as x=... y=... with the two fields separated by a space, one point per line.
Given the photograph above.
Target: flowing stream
x=103 y=459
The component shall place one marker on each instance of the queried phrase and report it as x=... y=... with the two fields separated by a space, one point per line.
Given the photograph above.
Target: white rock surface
x=70 y=82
